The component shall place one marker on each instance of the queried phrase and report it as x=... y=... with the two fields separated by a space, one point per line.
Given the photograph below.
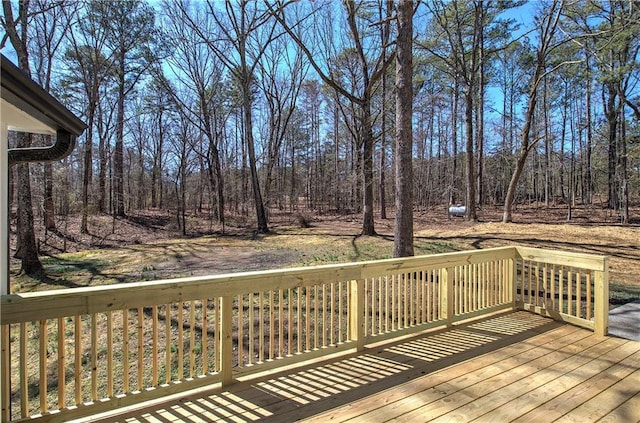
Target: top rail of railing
x=33 y=306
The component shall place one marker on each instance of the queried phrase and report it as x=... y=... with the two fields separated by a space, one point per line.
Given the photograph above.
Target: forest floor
x=149 y=245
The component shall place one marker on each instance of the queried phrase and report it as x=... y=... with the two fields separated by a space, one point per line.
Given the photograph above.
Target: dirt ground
x=149 y=245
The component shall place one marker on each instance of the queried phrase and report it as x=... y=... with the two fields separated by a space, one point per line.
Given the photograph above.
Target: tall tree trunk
x=480 y=111
x=403 y=232
x=470 y=166
x=26 y=248
x=383 y=153
x=118 y=154
x=368 y=227
x=588 y=176
x=453 y=197
x=87 y=173
x=549 y=25
x=612 y=121
x=49 y=207
x=261 y=215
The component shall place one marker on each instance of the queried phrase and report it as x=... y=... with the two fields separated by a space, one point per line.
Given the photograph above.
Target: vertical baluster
x=412 y=307
x=42 y=329
x=553 y=287
x=307 y=319
x=366 y=304
x=272 y=319
x=435 y=284
x=168 y=343
x=422 y=289
x=404 y=299
x=217 y=338
x=290 y=324
x=473 y=286
x=110 y=354
x=570 y=292
x=456 y=290
x=281 y=352
x=578 y=293
x=62 y=365
x=536 y=294
x=394 y=302
x=589 y=293
x=154 y=346
x=428 y=283
x=561 y=289
x=340 y=311
x=377 y=298
x=251 y=327
x=94 y=357
x=316 y=328
x=140 y=375
x=24 y=372
x=5 y=372
x=180 y=341
x=374 y=303
x=409 y=305
x=384 y=307
x=332 y=314
x=204 y=337
x=324 y=314
x=261 y=327
x=240 y=330
x=77 y=334
x=192 y=338
x=299 y=320
x=125 y=350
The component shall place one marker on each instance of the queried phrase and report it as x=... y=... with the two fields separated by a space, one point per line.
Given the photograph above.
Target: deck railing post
x=356 y=312
x=226 y=340
x=601 y=299
x=512 y=279
x=446 y=295
x=5 y=387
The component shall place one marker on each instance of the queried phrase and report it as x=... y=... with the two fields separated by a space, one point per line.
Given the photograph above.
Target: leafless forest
x=248 y=108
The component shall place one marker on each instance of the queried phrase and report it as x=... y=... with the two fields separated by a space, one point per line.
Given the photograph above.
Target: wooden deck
x=511 y=367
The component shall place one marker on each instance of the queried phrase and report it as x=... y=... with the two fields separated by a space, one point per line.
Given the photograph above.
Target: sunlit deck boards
x=516 y=366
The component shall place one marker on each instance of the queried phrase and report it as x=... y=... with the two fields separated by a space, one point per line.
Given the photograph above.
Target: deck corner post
x=226 y=340
x=5 y=384
x=601 y=299
x=512 y=281
x=446 y=295
x=356 y=312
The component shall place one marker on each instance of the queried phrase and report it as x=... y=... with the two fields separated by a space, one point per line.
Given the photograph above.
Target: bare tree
x=200 y=72
x=16 y=30
x=547 y=42
x=403 y=233
x=248 y=31
x=371 y=65
x=89 y=69
x=130 y=38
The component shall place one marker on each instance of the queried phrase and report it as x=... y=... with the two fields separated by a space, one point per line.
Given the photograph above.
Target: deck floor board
x=512 y=367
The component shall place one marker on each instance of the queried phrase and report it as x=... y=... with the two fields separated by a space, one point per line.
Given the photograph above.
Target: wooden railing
x=75 y=352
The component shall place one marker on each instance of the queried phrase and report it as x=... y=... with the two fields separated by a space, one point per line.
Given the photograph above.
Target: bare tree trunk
x=49 y=207
x=261 y=215
x=470 y=166
x=26 y=248
x=367 y=172
x=403 y=232
x=548 y=27
x=118 y=154
x=453 y=197
x=588 y=176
